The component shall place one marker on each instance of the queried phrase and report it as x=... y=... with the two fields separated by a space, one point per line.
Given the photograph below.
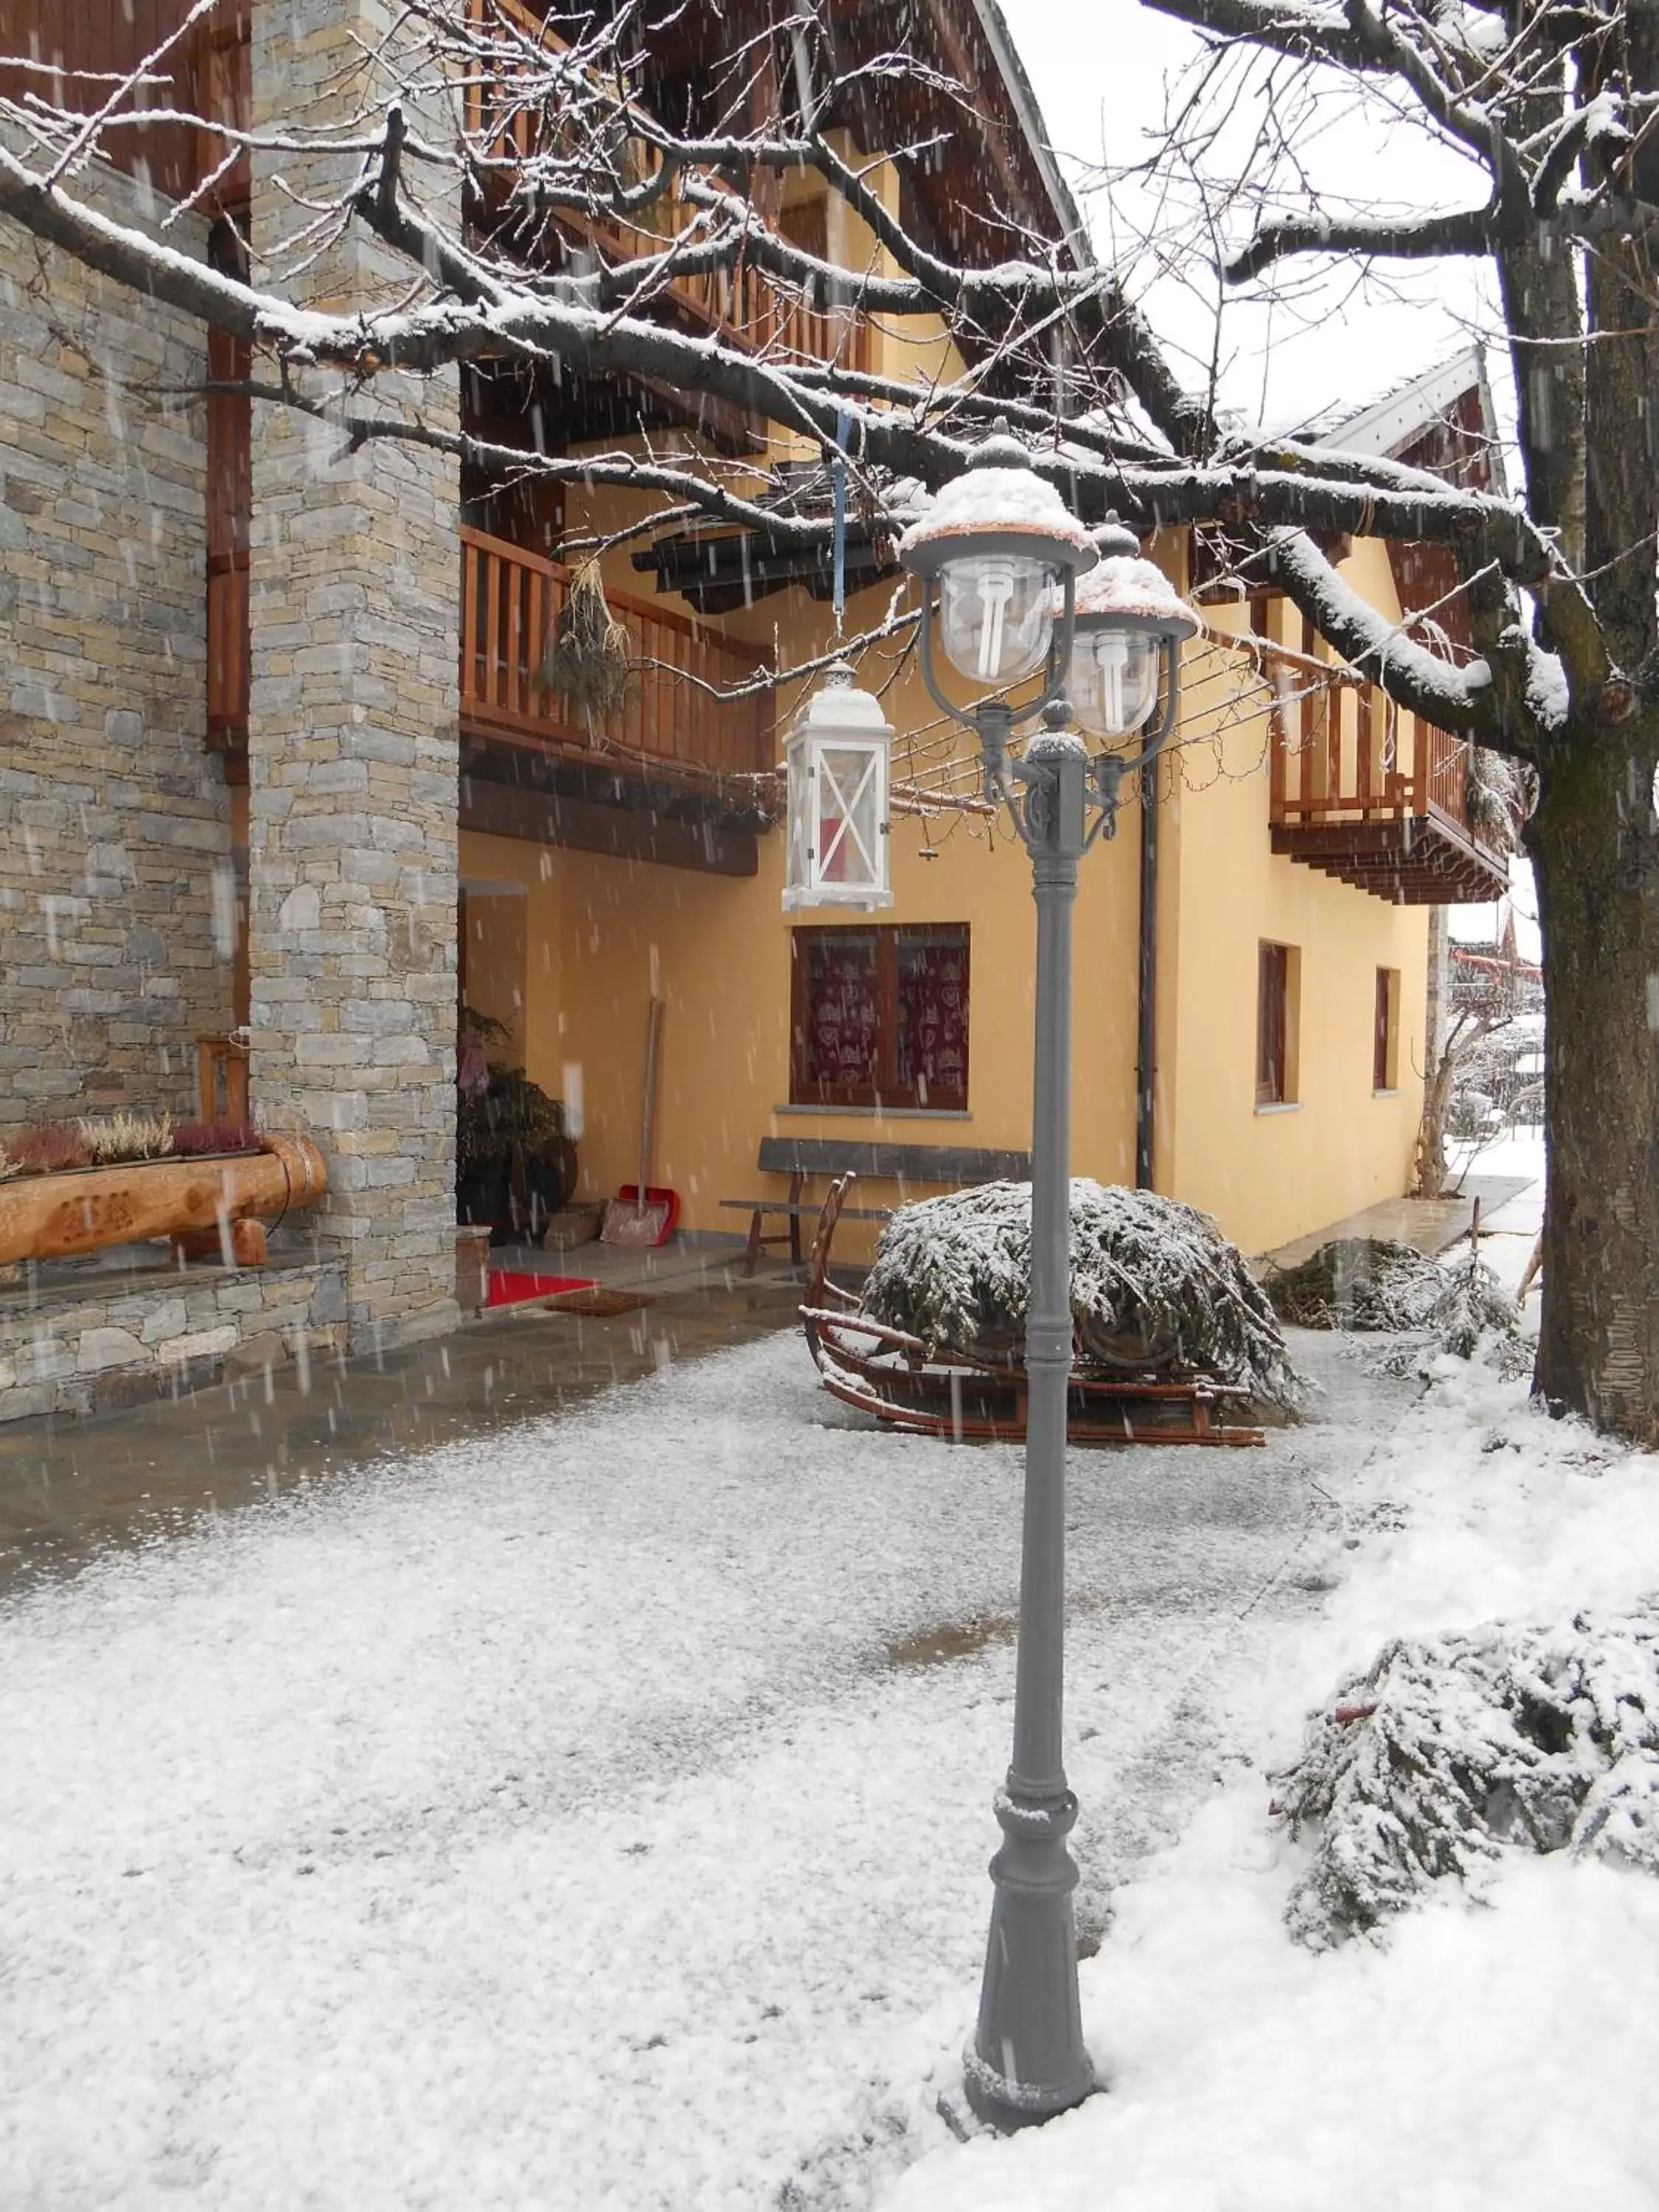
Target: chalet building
x=279 y=784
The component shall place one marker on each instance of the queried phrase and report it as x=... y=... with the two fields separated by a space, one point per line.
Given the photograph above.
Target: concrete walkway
x=69 y=1486
x=1427 y=1225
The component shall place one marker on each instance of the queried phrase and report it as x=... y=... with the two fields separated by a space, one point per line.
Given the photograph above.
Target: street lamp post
x=1021 y=588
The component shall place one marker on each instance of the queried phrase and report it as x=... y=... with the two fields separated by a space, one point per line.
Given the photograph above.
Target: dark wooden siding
x=104 y=37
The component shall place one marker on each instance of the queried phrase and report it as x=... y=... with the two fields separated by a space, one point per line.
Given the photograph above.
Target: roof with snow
x=1456 y=391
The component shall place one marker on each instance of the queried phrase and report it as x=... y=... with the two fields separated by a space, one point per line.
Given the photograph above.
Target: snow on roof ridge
x=1035 y=129
x=1391 y=419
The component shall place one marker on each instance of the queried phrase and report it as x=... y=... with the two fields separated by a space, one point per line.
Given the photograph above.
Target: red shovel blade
x=669 y=1200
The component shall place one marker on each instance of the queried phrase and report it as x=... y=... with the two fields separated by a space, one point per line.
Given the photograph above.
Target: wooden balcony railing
x=510 y=604
x=1347 y=754
x=1375 y=797
x=742 y=303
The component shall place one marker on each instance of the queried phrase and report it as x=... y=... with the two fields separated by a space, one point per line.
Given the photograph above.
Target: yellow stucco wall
x=1272 y=1174
x=600 y=934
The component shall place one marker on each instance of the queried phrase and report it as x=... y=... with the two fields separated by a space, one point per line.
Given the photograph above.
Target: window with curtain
x=880 y=1017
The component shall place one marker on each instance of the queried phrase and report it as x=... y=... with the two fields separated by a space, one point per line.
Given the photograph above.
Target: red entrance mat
x=508 y=1288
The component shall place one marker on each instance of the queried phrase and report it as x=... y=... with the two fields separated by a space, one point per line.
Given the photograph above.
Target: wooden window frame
x=886 y=1091
x=1385 y=1033
x=1276 y=996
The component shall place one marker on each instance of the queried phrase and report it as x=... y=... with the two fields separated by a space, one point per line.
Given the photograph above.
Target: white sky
x=1100 y=75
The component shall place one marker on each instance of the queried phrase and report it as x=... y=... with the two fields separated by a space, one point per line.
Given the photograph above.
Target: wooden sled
x=946 y=1393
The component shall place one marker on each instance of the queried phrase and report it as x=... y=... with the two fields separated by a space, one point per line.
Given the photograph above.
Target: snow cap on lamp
x=838 y=753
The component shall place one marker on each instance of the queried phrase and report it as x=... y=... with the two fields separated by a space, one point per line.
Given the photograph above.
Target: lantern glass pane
x=996 y=614
x=1114 y=679
x=798 y=877
x=850 y=845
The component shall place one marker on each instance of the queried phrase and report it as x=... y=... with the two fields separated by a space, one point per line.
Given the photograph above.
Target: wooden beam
x=549 y=817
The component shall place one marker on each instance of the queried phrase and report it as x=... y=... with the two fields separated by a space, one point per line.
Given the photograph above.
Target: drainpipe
x=1147 y=1001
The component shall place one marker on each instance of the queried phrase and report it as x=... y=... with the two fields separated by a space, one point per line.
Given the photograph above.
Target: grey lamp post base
x=1027 y=2060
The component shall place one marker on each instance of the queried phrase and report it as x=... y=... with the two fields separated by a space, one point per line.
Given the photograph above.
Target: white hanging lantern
x=838 y=753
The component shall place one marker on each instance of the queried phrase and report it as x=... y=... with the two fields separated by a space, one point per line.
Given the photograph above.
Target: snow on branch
x=1485 y=528
x=1470 y=230
x=1453 y=699
x=1320 y=34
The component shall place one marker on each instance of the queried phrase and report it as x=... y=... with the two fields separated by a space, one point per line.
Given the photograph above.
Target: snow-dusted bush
x=1358 y=1282
x=1367 y=1283
x=1448 y=1750
x=1156 y=1288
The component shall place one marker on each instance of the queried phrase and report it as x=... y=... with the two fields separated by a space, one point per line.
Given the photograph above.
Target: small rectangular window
x=1385 y=1035
x=1275 y=1025
x=880 y=1017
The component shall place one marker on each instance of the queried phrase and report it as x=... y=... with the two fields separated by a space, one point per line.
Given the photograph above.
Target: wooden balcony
x=673 y=724
x=743 y=305
x=1378 y=799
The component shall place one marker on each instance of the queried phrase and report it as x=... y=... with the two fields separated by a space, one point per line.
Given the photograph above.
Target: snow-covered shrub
x=1368 y=1283
x=1358 y=1282
x=1156 y=1288
x=1446 y=1750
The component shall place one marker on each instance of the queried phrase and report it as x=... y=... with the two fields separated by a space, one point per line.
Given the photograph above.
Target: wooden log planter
x=211 y=1207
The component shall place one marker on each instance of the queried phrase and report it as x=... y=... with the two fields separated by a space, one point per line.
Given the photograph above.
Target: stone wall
x=353 y=732
x=102 y=1338
x=117 y=912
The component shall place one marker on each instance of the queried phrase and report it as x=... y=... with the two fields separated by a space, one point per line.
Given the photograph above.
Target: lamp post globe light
x=1021 y=588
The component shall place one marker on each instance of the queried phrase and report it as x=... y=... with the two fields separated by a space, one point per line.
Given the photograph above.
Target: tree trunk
x=1594 y=847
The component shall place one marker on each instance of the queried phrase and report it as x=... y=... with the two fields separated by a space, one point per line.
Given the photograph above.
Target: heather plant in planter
x=119 y=1140
x=46 y=1149
x=193 y=1140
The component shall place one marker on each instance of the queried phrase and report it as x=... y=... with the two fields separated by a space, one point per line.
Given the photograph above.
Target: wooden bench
x=955 y=1167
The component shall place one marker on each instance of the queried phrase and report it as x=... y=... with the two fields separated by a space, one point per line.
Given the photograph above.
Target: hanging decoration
x=840 y=822
x=587 y=661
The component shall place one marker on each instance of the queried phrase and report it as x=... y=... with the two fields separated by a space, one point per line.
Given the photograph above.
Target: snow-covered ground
x=547 y=1822
x=1503 y=2056
x=599 y=1816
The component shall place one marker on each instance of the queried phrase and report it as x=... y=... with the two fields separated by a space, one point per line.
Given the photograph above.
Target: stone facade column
x=352 y=737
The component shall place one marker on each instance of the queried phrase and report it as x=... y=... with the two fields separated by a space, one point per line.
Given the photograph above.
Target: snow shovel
x=638 y=1215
